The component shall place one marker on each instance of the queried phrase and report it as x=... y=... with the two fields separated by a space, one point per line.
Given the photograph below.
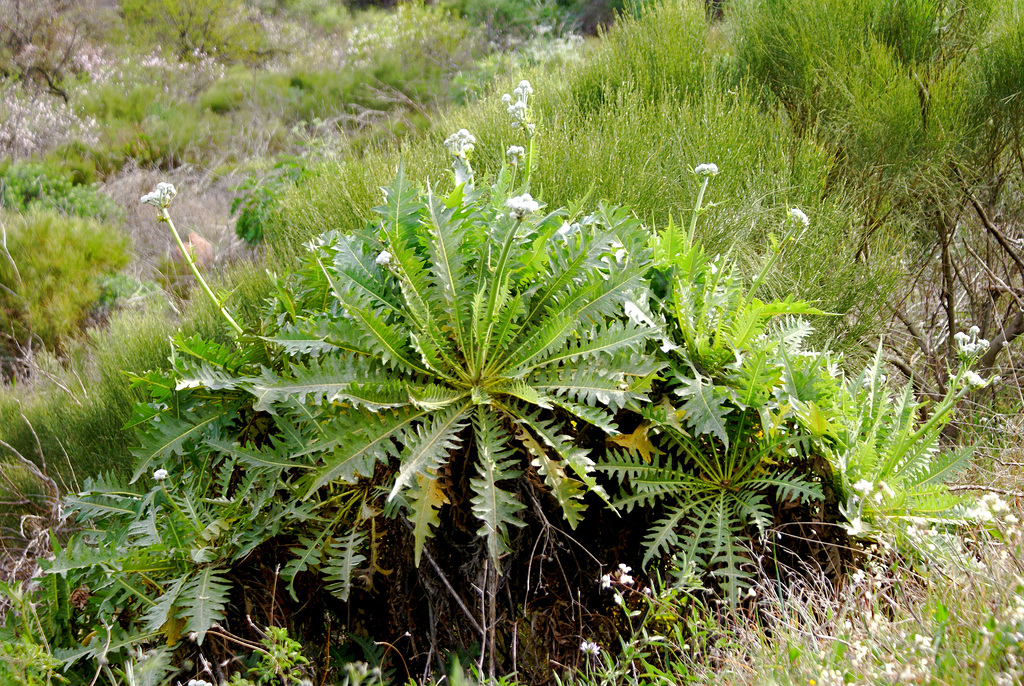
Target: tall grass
x=628 y=126
x=77 y=407
x=891 y=86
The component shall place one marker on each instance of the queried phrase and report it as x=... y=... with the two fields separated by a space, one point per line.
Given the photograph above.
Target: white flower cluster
x=590 y=648
x=383 y=259
x=881 y=489
x=161 y=196
x=519 y=107
x=461 y=143
x=622 y=576
x=160 y=474
x=522 y=205
x=707 y=169
x=198 y=682
x=989 y=508
x=516 y=154
x=969 y=344
x=799 y=216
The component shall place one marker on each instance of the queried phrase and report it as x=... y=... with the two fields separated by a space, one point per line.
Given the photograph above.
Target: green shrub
x=194 y=28
x=254 y=209
x=657 y=56
x=32 y=186
x=428 y=376
x=507 y=19
x=999 y=65
x=51 y=272
x=733 y=447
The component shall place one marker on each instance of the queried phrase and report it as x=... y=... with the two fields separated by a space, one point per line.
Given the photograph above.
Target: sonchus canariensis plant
x=729 y=425
x=471 y=326
x=452 y=351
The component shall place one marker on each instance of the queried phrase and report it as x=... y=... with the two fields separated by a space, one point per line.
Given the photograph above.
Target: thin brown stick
x=444 y=579
x=987 y=489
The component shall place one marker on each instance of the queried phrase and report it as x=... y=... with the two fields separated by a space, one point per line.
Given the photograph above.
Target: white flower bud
x=974 y=380
x=515 y=154
x=797 y=215
x=521 y=205
x=160 y=474
x=384 y=259
x=161 y=196
x=707 y=169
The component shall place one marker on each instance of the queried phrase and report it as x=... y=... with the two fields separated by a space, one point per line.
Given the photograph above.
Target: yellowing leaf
x=637 y=441
x=172 y=629
x=424 y=505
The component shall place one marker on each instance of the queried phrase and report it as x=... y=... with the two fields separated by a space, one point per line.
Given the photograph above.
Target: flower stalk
x=191 y=261
x=161 y=198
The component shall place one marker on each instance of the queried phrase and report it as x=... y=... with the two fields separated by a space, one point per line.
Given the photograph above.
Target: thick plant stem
x=190 y=260
x=529 y=160
x=696 y=212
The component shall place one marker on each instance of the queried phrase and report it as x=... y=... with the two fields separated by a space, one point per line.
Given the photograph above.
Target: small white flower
x=160 y=474
x=590 y=648
x=617 y=598
x=515 y=154
x=198 y=682
x=522 y=205
x=797 y=215
x=974 y=380
x=161 y=196
x=384 y=259
x=606 y=581
x=507 y=99
x=974 y=331
x=863 y=486
x=625 y=580
x=624 y=568
x=706 y=169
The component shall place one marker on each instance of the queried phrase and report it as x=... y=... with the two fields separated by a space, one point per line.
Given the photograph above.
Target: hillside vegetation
x=464 y=348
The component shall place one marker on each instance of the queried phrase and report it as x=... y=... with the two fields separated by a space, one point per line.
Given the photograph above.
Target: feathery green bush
x=49 y=268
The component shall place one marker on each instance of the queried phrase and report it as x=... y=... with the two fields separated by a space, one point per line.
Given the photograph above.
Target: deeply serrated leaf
x=203 y=601
x=705 y=407
x=343 y=560
x=424 y=503
x=493 y=506
x=429 y=446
